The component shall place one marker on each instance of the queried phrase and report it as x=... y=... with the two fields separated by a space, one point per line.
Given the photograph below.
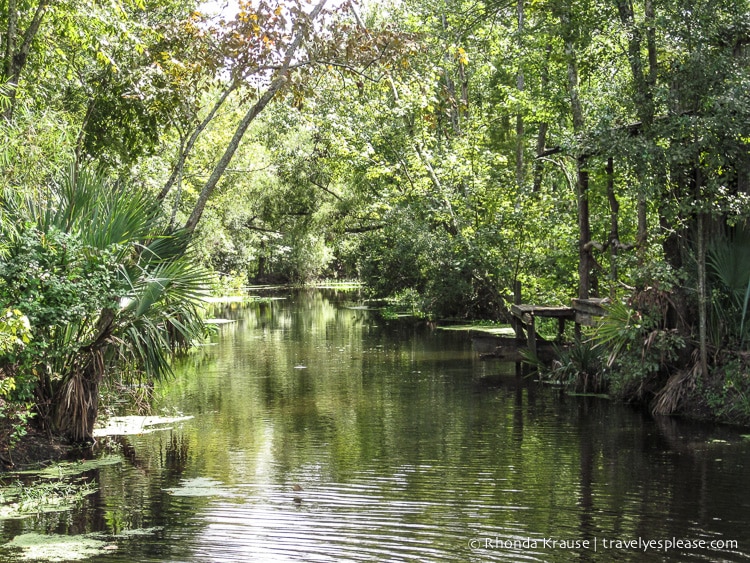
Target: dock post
x=531 y=328
x=516 y=323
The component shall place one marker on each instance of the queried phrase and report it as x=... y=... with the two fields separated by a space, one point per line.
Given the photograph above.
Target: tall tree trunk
x=10 y=39
x=585 y=262
x=78 y=154
x=541 y=137
x=643 y=98
x=249 y=117
x=541 y=141
x=234 y=143
x=642 y=234
x=464 y=90
x=584 y=229
x=450 y=86
x=520 y=176
x=672 y=232
x=702 y=291
x=186 y=147
x=614 y=231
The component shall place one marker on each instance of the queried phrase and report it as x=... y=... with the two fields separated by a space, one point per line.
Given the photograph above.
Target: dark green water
x=408 y=448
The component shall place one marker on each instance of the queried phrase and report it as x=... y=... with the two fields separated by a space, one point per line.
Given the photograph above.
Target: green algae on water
x=21 y=501
x=72 y=468
x=200 y=487
x=54 y=547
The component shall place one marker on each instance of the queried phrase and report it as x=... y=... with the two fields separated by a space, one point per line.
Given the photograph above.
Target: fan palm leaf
x=729 y=264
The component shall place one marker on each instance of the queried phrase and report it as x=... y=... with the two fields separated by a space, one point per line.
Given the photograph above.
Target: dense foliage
x=441 y=150
x=105 y=293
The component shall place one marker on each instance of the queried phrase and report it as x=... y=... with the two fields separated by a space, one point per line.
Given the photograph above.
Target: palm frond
x=153 y=348
x=615 y=330
x=728 y=259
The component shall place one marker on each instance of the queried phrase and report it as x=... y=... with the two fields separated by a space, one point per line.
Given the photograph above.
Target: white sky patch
x=226 y=9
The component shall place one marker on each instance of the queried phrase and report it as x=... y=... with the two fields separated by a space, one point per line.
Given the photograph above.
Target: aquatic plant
x=55 y=547
x=22 y=500
x=200 y=487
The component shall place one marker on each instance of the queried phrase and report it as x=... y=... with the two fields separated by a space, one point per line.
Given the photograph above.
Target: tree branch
x=185 y=150
x=363 y=229
x=252 y=113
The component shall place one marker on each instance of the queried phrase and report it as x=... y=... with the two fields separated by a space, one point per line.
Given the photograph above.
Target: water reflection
x=407 y=448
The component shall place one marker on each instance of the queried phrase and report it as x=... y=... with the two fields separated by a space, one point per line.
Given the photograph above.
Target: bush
x=640 y=348
x=15 y=333
x=391 y=259
x=579 y=367
x=727 y=392
x=453 y=278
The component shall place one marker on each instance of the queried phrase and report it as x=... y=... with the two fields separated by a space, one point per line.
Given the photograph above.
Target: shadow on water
x=322 y=432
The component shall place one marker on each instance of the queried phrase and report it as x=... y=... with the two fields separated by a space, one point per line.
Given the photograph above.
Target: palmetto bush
x=638 y=347
x=729 y=271
x=108 y=293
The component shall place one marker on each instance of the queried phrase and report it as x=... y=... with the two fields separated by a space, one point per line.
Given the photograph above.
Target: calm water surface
x=407 y=447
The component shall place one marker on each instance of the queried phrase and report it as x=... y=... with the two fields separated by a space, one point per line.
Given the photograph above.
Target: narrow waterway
x=406 y=447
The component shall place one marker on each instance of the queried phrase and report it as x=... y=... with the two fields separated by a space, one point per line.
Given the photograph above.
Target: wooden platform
x=583 y=312
x=542 y=311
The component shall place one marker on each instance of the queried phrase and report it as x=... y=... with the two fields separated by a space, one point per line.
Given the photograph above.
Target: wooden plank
x=548 y=311
x=590 y=306
x=589 y=311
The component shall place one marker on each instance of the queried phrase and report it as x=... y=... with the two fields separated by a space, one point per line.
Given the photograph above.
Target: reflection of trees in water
x=395 y=407
x=174 y=454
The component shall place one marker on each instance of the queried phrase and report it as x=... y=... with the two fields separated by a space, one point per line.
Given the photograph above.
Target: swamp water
x=406 y=447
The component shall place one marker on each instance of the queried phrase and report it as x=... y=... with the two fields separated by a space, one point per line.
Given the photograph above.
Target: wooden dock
x=523 y=320
x=524 y=317
x=582 y=312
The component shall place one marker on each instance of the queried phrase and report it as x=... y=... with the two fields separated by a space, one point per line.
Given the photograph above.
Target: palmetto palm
x=145 y=306
x=729 y=268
